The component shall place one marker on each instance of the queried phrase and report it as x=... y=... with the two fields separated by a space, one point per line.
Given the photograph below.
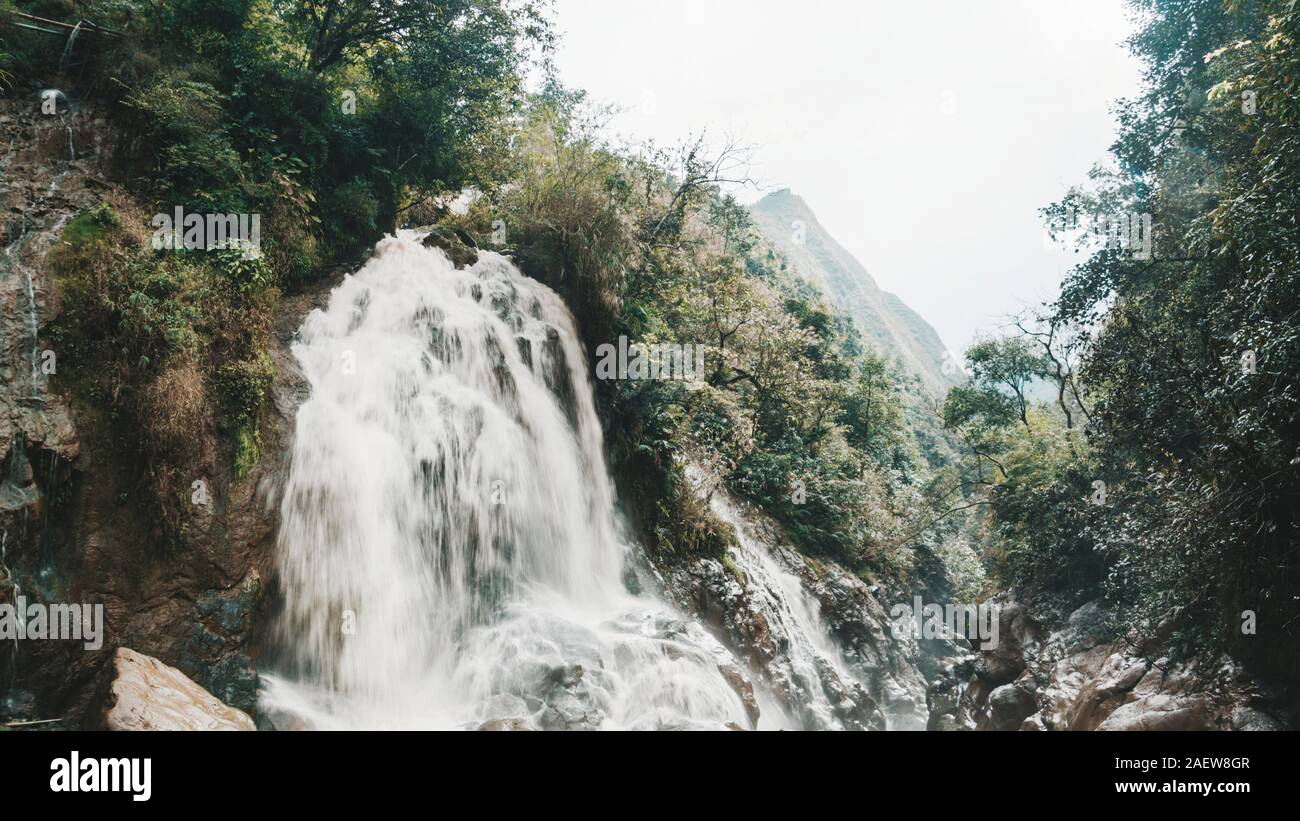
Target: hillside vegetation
x=340 y=121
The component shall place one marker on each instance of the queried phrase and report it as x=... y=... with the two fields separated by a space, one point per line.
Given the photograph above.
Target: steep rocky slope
x=815 y=634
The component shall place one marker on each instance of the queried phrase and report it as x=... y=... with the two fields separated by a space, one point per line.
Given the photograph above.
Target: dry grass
x=174 y=408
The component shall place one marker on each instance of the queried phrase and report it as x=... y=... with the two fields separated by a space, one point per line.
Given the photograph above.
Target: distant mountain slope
x=895 y=330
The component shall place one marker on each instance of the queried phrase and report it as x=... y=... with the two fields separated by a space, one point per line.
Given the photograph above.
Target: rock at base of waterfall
x=570 y=704
x=458 y=245
x=506 y=725
x=944 y=723
x=270 y=718
x=817 y=638
x=145 y=694
x=744 y=688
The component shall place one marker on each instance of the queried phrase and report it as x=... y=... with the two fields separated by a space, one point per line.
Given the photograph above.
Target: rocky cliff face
x=72 y=529
x=48 y=170
x=1079 y=675
x=41 y=187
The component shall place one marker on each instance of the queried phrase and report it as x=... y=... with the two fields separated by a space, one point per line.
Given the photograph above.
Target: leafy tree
x=788 y=409
x=1186 y=356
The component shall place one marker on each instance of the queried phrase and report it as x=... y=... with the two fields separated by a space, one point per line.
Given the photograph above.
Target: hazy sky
x=924 y=135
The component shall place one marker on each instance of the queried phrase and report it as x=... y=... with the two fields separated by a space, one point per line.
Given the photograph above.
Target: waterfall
x=449 y=552
x=809 y=672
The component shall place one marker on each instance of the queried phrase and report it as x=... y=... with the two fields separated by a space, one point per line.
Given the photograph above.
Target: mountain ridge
x=887 y=323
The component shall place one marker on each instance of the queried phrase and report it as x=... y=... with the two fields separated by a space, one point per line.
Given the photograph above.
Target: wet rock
x=269 y=720
x=1248 y=719
x=570 y=704
x=18 y=706
x=943 y=696
x=1080 y=677
x=856 y=708
x=860 y=624
x=1009 y=706
x=234 y=680
x=744 y=688
x=944 y=723
x=872 y=682
x=461 y=252
x=465 y=238
x=145 y=694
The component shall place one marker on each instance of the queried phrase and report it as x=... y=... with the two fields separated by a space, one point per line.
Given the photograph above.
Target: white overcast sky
x=924 y=135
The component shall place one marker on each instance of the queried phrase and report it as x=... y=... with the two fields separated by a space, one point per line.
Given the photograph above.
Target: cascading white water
x=449 y=553
x=810 y=670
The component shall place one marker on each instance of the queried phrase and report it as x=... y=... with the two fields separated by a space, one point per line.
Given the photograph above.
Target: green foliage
x=196 y=164
x=1198 y=410
x=1188 y=357
x=358 y=210
x=248 y=106
x=788 y=407
x=243 y=388
x=248 y=449
x=1045 y=510
x=157 y=333
x=324 y=119
x=963 y=568
x=114 y=292
x=23 y=51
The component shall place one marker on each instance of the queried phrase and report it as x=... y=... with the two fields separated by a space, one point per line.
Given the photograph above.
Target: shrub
x=161 y=333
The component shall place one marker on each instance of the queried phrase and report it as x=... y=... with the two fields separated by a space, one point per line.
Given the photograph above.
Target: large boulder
x=1009 y=706
x=145 y=694
x=1018 y=637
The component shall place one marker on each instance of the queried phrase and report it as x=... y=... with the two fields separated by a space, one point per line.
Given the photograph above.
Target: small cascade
x=810 y=673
